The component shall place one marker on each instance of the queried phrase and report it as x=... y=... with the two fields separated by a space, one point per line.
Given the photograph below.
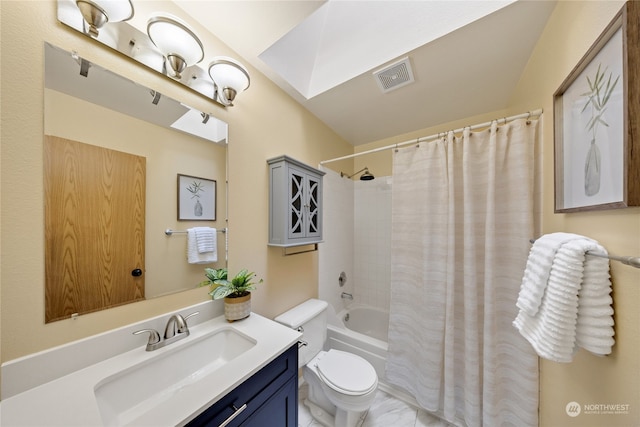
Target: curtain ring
x=396 y=150
x=528 y=117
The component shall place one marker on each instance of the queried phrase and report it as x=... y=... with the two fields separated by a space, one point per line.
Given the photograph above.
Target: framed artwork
x=596 y=123
x=196 y=198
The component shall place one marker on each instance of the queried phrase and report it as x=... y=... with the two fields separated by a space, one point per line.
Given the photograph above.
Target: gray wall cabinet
x=295 y=203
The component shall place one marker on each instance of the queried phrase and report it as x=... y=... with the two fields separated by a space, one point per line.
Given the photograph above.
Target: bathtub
x=362 y=330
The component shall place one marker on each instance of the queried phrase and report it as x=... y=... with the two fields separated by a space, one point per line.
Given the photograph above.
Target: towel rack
x=169 y=231
x=627 y=260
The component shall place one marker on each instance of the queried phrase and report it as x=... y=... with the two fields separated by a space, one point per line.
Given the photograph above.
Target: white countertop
x=70 y=400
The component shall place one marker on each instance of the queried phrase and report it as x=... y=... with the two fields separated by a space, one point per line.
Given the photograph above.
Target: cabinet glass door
x=313 y=207
x=297 y=204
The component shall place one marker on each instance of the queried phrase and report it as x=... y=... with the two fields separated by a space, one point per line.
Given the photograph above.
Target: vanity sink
x=110 y=378
x=129 y=394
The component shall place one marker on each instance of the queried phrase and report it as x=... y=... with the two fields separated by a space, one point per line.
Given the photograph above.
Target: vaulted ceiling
x=466 y=57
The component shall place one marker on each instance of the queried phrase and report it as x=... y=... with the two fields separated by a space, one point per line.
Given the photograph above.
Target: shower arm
x=342 y=174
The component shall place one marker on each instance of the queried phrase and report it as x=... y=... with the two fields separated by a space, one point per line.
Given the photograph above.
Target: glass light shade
x=117 y=10
x=229 y=75
x=202 y=85
x=98 y=12
x=173 y=37
x=148 y=56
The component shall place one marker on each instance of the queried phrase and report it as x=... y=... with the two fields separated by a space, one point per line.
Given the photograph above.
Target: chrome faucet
x=175 y=330
x=346 y=295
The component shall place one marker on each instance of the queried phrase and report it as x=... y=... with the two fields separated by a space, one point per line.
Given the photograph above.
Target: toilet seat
x=347 y=373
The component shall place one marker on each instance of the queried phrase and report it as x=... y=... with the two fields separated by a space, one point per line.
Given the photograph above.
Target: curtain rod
x=503 y=121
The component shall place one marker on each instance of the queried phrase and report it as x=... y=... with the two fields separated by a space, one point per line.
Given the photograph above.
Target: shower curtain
x=462 y=218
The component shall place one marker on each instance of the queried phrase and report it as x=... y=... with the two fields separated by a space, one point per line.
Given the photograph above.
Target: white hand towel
x=574 y=308
x=551 y=330
x=594 y=327
x=193 y=255
x=536 y=273
x=206 y=239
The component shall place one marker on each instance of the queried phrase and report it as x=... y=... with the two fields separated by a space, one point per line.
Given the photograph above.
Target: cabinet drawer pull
x=235 y=414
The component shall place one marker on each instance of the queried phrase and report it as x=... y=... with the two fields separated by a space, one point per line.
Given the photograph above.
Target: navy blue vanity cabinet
x=270 y=396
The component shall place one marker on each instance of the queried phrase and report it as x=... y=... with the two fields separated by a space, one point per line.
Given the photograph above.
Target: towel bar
x=169 y=231
x=627 y=260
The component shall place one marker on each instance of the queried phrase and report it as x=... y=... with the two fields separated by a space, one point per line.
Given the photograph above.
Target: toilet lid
x=347 y=373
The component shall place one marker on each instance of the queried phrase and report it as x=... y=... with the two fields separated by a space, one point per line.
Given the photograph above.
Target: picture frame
x=196 y=198
x=597 y=122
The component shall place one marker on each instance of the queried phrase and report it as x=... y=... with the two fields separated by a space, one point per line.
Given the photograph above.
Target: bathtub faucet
x=345 y=295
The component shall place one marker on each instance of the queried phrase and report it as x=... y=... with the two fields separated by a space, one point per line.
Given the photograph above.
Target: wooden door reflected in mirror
x=94 y=228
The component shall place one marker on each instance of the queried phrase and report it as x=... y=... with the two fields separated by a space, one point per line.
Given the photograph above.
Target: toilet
x=342 y=385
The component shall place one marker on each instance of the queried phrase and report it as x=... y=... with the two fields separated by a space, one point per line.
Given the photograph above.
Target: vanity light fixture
x=229 y=76
x=96 y=13
x=176 y=41
x=170 y=47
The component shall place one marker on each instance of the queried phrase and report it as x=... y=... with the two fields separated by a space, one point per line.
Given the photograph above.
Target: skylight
x=324 y=51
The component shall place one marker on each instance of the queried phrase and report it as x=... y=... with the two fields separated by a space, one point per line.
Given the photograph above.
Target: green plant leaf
x=242 y=282
x=221 y=292
x=609 y=89
x=600 y=90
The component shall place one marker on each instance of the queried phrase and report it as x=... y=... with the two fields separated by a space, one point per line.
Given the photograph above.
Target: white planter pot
x=237 y=308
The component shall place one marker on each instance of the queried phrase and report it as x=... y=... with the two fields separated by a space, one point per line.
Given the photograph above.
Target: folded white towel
x=594 y=327
x=193 y=254
x=536 y=273
x=206 y=239
x=564 y=300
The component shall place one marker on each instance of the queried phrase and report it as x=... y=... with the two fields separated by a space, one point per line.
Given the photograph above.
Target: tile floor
x=386 y=411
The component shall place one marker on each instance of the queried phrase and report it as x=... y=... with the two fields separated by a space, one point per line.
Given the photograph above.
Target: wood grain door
x=94 y=228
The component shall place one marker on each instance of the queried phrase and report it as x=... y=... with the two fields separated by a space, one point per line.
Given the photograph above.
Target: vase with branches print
x=195 y=188
x=600 y=89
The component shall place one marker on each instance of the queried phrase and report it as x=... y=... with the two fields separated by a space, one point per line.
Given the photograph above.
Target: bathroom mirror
x=89 y=104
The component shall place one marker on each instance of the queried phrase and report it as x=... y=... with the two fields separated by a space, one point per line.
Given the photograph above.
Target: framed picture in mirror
x=196 y=198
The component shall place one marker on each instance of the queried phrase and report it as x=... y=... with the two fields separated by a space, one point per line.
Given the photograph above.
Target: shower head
x=366 y=176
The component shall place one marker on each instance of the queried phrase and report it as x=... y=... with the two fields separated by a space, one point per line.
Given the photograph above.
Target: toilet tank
x=311 y=316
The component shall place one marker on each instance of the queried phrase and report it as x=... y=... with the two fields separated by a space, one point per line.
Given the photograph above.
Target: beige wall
x=614 y=379
x=264 y=123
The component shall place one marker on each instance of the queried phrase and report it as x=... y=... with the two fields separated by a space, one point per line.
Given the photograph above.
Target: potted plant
x=236 y=292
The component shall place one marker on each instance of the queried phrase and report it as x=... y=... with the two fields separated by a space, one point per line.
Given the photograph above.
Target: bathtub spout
x=345 y=295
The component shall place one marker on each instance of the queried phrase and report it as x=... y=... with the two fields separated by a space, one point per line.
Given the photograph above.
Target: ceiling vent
x=394 y=76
